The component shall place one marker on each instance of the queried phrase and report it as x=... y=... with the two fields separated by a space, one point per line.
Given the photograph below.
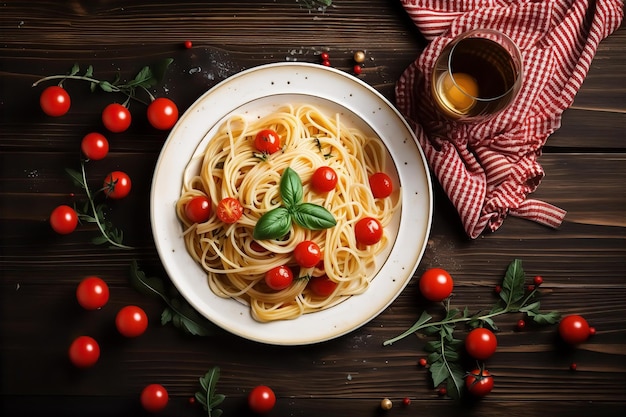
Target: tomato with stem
x=55 y=101
x=479 y=382
x=63 y=219
x=267 y=141
x=117 y=185
x=116 y=117
x=162 y=113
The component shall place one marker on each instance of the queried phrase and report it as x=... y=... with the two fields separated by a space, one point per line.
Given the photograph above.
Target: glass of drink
x=478 y=74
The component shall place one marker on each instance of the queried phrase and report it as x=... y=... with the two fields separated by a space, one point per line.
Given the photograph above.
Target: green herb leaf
x=439 y=372
x=552 y=317
x=513 y=284
x=75 y=69
x=208 y=397
x=273 y=225
x=313 y=217
x=178 y=311
x=159 y=70
x=291 y=190
x=455 y=381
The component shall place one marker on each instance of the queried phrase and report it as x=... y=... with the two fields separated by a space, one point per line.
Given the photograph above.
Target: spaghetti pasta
x=231 y=166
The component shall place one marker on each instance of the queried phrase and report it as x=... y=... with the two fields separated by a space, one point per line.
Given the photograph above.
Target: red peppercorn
x=326 y=63
x=538 y=280
x=357 y=69
x=521 y=324
x=573 y=366
x=498 y=289
x=188 y=44
x=406 y=401
x=324 y=56
x=423 y=362
x=531 y=288
x=192 y=400
x=592 y=331
x=442 y=391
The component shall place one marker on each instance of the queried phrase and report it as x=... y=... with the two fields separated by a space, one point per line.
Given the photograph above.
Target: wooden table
x=583 y=262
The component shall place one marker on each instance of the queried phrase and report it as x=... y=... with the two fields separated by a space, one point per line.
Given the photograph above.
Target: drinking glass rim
x=516 y=50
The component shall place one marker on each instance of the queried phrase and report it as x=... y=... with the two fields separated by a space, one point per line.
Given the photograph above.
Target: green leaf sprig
x=91 y=212
x=275 y=223
x=207 y=397
x=147 y=77
x=178 y=311
x=444 y=351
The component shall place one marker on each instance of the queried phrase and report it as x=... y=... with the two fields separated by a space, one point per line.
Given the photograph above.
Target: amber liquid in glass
x=475 y=77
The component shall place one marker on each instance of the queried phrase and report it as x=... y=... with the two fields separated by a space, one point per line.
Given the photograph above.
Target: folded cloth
x=488 y=168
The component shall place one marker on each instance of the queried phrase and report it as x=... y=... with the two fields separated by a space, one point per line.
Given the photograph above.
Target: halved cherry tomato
x=381 y=185
x=481 y=343
x=94 y=146
x=436 y=284
x=116 y=117
x=154 y=397
x=131 y=321
x=322 y=286
x=198 y=209
x=54 y=101
x=368 y=231
x=279 y=277
x=267 y=141
x=84 y=352
x=307 y=254
x=117 y=185
x=162 y=113
x=63 y=219
x=479 y=382
x=92 y=293
x=261 y=399
x=324 y=179
x=229 y=210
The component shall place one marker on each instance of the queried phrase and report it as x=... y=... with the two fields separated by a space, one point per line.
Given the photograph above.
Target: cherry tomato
x=84 y=352
x=92 y=293
x=162 y=113
x=54 y=101
x=131 y=321
x=279 y=277
x=229 y=210
x=324 y=179
x=307 y=254
x=117 y=185
x=436 y=284
x=479 y=382
x=481 y=343
x=116 y=117
x=381 y=185
x=154 y=397
x=198 y=209
x=368 y=231
x=94 y=146
x=63 y=219
x=574 y=329
x=261 y=399
x=322 y=286
x=267 y=141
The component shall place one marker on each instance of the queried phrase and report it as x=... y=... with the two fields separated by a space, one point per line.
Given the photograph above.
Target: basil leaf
x=272 y=225
x=291 y=188
x=313 y=217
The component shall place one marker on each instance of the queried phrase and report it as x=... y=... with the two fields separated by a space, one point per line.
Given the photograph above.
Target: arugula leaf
x=513 y=284
x=208 y=397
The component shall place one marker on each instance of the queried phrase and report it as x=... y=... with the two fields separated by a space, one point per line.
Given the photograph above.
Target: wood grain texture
x=583 y=262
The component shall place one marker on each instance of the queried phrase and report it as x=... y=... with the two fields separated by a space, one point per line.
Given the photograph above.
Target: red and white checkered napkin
x=488 y=169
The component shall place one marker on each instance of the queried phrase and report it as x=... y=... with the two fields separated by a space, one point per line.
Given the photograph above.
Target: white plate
x=256 y=92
